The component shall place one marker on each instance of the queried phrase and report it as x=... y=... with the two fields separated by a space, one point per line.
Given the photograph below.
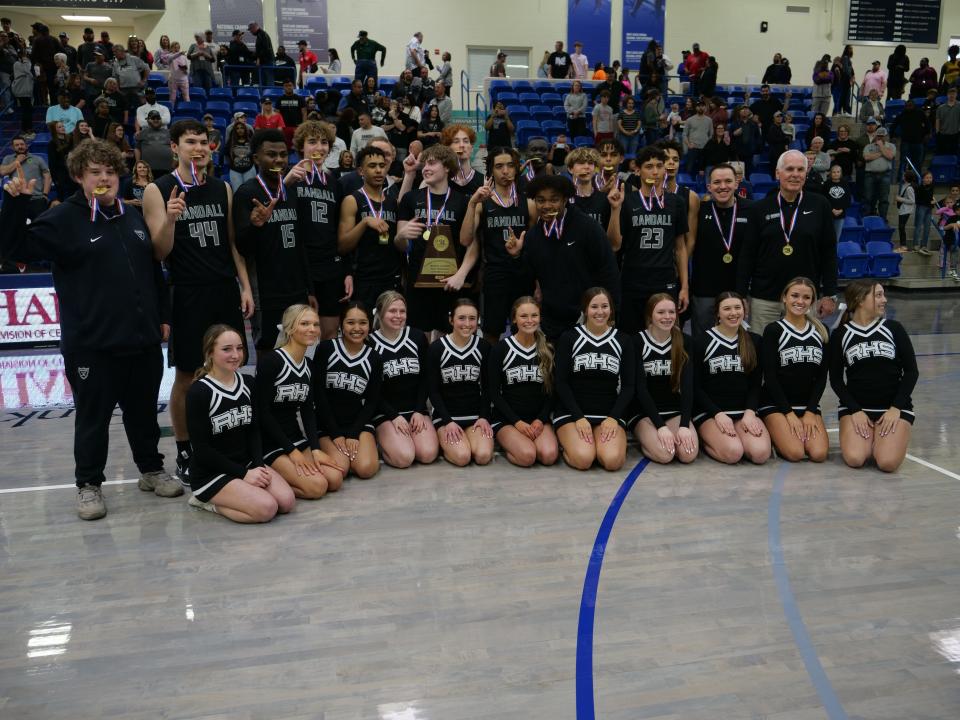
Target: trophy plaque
x=439 y=257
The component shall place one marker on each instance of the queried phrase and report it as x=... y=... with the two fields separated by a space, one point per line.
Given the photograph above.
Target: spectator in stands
x=101 y=118
x=415 y=55
x=131 y=73
x=906 y=204
x=789 y=129
x=950 y=70
x=443 y=102
x=717 y=110
x=431 y=127
x=774 y=72
x=652 y=113
x=57 y=151
x=268 y=117
x=579 y=62
x=914 y=132
x=602 y=119
x=42 y=52
x=559 y=62
x=777 y=139
x=707 y=82
x=83 y=131
x=695 y=64
x=345 y=123
x=822 y=84
x=819 y=127
x=238 y=153
x=745 y=138
x=948 y=124
x=213 y=133
x=158 y=57
x=614 y=90
x=847 y=79
x=150 y=105
x=115 y=101
x=202 y=57
x=874 y=79
x=765 y=107
x=629 y=127
x=878 y=157
x=238 y=54
x=344 y=164
x=598 y=72
x=64 y=112
x=500 y=128
x=818 y=161
x=921 y=220
x=403 y=87
x=845 y=151
x=96 y=74
x=262 y=51
x=354 y=100
x=897 y=66
x=424 y=87
x=499 y=67
x=363 y=52
x=153 y=145
x=117 y=136
x=365 y=133
x=872 y=107
x=282 y=60
x=61 y=76
x=8 y=56
x=292 y=109
x=697 y=132
x=445 y=70
x=838 y=194
x=86 y=49
x=136 y=185
x=717 y=151
x=836 y=89
x=307 y=60
x=923 y=79
x=71 y=52
x=28 y=167
x=179 y=79
x=575 y=106
x=334 y=66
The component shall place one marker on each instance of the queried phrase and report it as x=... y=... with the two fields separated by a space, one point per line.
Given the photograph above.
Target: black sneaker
x=183 y=469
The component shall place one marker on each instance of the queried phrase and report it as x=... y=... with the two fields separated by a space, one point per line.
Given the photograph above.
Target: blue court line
x=815 y=670
x=588 y=602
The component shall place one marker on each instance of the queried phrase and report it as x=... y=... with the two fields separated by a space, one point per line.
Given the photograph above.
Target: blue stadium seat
x=316 y=83
x=530 y=139
x=197 y=94
x=522 y=86
x=541 y=112
x=559 y=113
x=562 y=88
x=876 y=228
x=852 y=231
x=852 y=261
x=525 y=130
x=518 y=111
x=944 y=168
x=507 y=97
x=762 y=182
x=250 y=108
x=248 y=92
x=553 y=126
x=163 y=93
x=542 y=86
x=272 y=92
x=529 y=98
x=190 y=109
x=220 y=93
x=219 y=108
x=583 y=141
x=551 y=98
x=156 y=80
x=884 y=262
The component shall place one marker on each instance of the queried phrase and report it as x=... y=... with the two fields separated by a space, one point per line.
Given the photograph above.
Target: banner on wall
x=588 y=21
x=642 y=22
x=303 y=20
x=229 y=15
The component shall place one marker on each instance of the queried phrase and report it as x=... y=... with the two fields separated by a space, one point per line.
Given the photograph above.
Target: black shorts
x=194 y=309
x=366 y=428
x=560 y=420
x=875 y=415
x=498 y=421
x=499 y=294
x=367 y=291
x=270 y=456
x=664 y=416
x=464 y=423
x=767 y=410
x=700 y=418
x=429 y=308
x=205 y=487
x=379 y=420
x=328 y=293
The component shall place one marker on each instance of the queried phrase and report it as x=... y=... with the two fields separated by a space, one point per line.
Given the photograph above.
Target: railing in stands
x=480 y=117
x=464 y=90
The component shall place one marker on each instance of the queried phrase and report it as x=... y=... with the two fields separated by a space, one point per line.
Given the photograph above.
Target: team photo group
x=411 y=310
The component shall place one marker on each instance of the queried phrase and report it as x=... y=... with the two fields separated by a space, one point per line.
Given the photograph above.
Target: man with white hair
x=415 y=53
x=794 y=237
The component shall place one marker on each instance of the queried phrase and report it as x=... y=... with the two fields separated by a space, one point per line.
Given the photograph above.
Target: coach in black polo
x=794 y=237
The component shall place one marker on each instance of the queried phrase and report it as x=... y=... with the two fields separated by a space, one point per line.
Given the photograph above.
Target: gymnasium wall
x=730 y=31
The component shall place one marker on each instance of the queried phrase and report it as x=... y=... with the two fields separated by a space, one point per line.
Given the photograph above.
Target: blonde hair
x=807 y=283
x=210 y=338
x=582 y=155
x=313 y=129
x=291 y=316
x=544 y=348
x=678 y=354
x=385 y=300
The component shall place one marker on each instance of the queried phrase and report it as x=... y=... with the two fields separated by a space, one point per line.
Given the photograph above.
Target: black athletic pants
x=101 y=381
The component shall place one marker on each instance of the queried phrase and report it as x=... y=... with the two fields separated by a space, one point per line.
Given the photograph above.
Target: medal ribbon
x=315 y=173
x=500 y=201
x=727 y=242
x=555 y=226
x=374 y=213
x=436 y=221
x=281 y=191
x=95 y=210
x=787 y=234
x=654 y=198
x=464 y=179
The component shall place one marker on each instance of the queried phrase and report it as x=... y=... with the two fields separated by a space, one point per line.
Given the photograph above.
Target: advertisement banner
x=588 y=21
x=642 y=22
x=29 y=316
x=303 y=20
x=229 y=15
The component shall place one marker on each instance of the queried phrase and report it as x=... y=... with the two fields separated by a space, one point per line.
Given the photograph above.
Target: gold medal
x=727 y=258
x=426 y=234
x=788 y=250
x=100 y=190
x=384 y=238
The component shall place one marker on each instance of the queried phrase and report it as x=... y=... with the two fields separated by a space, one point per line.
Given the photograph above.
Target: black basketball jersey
x=496 y=222
x=223 y=428
x=413 y=206
x=721 y=381
x=595 y=374
x=649 y=240
x=879 y=363
x=376 y=259
x=457 y=390
x=285 y=399
x=594 y=205
x=656 y=358
x=280 y=256
x=794 y=367
x=346 y=388
x=473 y=184
x=404 y=387
x=516 y=383
x=201 y=252
x=318 y=219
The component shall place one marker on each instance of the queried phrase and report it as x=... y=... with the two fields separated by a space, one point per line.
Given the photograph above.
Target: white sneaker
x=90 y=504
x=199 y=505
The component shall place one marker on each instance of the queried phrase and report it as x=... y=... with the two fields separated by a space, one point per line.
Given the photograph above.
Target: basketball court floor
x=788 y=592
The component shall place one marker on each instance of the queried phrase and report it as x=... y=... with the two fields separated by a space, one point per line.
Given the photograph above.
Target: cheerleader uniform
x=880 y=365
x=346 y=389
x=456 y=382
x=794 y=369
x=720 y=382
x=285 y=400
x=595 y=376
x=516 y=385
x=404 y=388
x=224 y=434
x=655 y=395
